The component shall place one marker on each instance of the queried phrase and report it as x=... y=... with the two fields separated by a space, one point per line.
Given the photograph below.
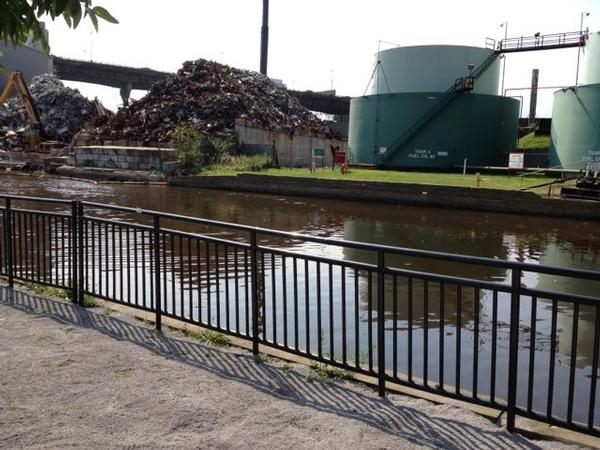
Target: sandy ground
x=75 y=378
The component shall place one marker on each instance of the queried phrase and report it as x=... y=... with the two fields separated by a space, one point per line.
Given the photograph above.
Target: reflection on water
x=559 y=242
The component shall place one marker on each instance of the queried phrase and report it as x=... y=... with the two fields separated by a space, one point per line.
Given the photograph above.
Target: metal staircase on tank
x=460 y=86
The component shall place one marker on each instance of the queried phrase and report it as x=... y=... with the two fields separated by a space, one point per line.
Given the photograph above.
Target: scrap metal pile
x=210 y=97
x=62 y=111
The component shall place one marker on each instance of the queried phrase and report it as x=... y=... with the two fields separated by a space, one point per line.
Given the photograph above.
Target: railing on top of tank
x=462 y=337
x=557 y=40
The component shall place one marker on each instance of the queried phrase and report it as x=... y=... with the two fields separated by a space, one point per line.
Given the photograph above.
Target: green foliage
x=89 y=301
x=20 y=19
x=217 y=150
x=322 y=372
x=196 y=150
x=48 y=291
x=187 y=145
x=212 y=338
x=532 y=141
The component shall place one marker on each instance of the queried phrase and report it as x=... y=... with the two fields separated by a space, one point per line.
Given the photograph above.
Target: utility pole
x=583 y=14
x=264 y=38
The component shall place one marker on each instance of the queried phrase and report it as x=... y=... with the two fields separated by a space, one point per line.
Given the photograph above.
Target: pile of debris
x=210 y=97
x=62 y=111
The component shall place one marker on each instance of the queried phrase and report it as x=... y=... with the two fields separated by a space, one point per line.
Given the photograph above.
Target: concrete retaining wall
x=127 y=158
x=292 y=150
x=402 y=194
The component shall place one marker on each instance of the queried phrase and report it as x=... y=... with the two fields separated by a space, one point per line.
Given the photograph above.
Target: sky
x=320 y=44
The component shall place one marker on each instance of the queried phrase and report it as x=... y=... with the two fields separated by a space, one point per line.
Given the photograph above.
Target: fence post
x=513 y=353
x=74 y=253
x=8 y=238
x=254 y=276
x=80 y=253
x=380 y=323
x=157 y=296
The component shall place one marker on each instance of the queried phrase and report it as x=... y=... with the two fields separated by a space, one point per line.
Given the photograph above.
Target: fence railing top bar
x=65 y=215
x=449 y=279
x=562 y=296
x=36 y=199
x=491 y=262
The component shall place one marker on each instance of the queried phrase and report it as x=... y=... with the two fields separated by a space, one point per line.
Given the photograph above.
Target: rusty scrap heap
x=63 y=112
x=210 y=97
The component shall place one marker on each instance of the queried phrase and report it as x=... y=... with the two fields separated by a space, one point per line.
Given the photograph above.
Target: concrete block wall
x=292 y=150
x=127 y=158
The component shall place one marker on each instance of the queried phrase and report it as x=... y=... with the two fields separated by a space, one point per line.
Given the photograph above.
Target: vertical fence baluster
x=8 y=244
x=513 y=354
x=458 y=336
x=80 y=253
x=494 y=346
x=156 y=247
x=254 y=276
x=593 y=382
x=74 y=254
x=574 y=336
x=532 y=331
x=380 y=323
x=441 y=338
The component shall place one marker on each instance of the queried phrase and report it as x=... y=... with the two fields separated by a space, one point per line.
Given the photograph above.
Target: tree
x=19 y=19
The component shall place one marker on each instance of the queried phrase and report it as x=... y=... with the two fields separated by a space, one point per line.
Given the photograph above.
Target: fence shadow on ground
x=407 y=423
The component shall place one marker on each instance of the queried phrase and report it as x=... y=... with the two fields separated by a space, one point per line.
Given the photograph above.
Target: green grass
x=488 y=181
x=212 y=338
x=47 y=291
x=241 y=163
x=530 y=141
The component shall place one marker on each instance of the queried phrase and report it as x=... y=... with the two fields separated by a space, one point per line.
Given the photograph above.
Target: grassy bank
x=488 y=181
x=531 y=141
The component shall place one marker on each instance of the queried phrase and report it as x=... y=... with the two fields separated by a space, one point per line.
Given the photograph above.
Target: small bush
x=323 y=372
x=212 y=338
x=187 y=145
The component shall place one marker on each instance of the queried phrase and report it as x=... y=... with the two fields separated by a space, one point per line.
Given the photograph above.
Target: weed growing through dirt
x=123 y=373
x=286 y=368
x=323 y=372
x=47 y=291
x=89 y=301
x=106 y=312
x=212 y=338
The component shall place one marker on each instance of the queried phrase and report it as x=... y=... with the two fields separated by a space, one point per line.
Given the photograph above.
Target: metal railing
x=472 y=339
x=543 y=42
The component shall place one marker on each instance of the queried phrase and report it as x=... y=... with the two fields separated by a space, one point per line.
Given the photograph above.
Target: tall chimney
x=264 y=38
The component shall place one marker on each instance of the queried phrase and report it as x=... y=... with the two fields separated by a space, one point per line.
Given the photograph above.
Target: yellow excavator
x=16 y=82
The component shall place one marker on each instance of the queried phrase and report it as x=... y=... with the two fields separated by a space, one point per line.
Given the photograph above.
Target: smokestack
x=264 y=38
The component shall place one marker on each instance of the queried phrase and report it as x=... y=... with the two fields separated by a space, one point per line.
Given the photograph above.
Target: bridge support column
x=125 y=92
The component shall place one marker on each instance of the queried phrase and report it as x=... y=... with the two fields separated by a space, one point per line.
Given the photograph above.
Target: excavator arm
x=15 y=81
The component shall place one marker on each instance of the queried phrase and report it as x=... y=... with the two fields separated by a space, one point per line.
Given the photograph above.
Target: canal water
x=558 y=242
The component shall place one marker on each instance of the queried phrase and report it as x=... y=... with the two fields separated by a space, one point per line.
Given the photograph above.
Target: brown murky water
x=559 y=242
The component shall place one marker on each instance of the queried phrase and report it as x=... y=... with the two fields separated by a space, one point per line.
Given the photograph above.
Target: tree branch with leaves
x=20 y=19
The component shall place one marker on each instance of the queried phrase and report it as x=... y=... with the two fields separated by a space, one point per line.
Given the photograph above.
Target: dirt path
x=74 y=378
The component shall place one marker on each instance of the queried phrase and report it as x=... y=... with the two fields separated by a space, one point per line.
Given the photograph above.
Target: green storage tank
x=575 y=134
x=412 y=119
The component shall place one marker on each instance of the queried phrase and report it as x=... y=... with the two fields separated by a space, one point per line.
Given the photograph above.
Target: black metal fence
x=458 y=336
